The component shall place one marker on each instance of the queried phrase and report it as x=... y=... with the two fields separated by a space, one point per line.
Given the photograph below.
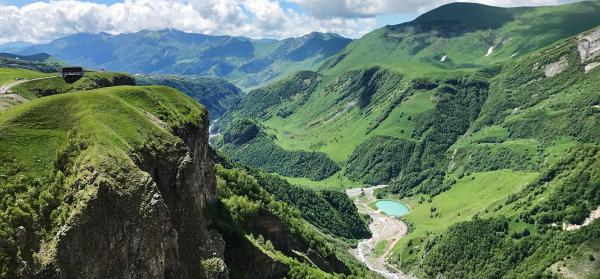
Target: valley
x=387 y=231
x=464 y=143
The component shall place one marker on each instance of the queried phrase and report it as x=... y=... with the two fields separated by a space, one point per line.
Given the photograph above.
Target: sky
x=37 y=21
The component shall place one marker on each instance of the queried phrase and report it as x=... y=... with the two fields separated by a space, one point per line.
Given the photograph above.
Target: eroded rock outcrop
x=589 y=46
x=143 y=219
x=557 y=67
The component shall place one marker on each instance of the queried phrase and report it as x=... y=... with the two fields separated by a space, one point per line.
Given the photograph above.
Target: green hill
x=246 y=62
x=383 y=96
x=8 y=75
x=50 y=142
x=40 y=62
x=216 y=95
x=57 y=85
x=91 y=179
x=463 y=34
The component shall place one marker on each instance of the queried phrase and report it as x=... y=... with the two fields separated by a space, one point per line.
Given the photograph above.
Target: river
x=382 y=227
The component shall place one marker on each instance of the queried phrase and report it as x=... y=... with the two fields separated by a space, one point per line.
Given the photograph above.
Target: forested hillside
x=361 y=114
x=497 y=157
x=216 y=95
x=259 y=211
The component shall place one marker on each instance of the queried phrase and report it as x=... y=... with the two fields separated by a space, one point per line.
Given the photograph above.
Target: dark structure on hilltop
x=71 y=74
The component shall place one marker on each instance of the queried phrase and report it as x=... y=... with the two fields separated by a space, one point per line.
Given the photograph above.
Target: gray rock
x=589 y=46
x=556 y=68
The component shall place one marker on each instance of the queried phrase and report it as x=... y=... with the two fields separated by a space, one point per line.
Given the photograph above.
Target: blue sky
x=39 y=21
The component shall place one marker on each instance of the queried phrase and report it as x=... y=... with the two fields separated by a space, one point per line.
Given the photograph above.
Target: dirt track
x=4 y=89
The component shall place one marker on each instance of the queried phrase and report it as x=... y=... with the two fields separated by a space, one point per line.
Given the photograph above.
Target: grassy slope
x=56 y=85
x=327 y=124
x=470 y=195
x=52 y=142
x=8 y=75
x=510 y=31
x=113 y=118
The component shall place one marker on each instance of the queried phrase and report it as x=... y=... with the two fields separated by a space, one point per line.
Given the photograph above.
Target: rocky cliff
x=131 y=187
x=146 y=222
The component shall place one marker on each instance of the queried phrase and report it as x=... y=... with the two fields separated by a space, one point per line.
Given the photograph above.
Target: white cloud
x=370 y=8
x=44 y=21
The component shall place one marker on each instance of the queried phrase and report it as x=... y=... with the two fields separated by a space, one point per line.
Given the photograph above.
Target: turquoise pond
x=392 y=208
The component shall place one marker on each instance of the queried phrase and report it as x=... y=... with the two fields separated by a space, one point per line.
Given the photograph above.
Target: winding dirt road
x=5 y=89
x=383 y=227
x=8 y=100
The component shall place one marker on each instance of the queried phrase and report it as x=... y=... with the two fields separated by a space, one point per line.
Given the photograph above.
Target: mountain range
x=246 y=62
x=481 y=124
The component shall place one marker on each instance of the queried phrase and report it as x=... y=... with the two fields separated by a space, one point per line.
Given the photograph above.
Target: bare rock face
x=591 y=66
x=589 y=46
x=556 y=68
x=144 y=221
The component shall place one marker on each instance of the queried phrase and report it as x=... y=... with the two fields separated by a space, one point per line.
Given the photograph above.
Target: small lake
x=392 y=208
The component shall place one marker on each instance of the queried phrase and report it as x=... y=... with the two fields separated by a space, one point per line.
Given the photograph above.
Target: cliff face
x=145 y=222
x=117 y=188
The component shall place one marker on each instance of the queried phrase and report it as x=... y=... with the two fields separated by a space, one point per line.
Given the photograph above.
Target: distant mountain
x=14 y=47
x=246 y=62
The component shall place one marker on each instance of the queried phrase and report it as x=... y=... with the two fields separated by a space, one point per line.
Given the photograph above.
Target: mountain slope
x=120 y=182
x=465 y=36
x=41 y=62
x=217 y=95
x=246 y=62
x=385 y=96
x=68 y=156
x=496 y=162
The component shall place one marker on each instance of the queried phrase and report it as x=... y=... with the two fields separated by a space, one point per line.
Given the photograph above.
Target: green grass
x=56 y=85
x=334 y=182
x=38 y=131
x=522 y=31
x=8 y=75
x=379 y=248
x=470 y=195
x=397 y=123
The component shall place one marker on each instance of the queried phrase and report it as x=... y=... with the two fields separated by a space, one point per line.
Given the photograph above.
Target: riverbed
x=383 y=227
